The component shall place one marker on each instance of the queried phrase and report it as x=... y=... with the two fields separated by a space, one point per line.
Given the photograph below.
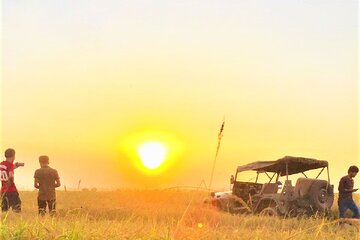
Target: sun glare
x=152 y=154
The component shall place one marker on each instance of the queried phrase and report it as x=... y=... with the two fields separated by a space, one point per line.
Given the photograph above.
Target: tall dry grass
x=156 y=214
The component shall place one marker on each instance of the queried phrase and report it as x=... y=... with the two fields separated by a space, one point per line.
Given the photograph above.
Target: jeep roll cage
x=284 y=167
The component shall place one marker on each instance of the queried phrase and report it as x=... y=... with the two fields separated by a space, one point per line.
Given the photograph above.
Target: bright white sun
x=152 y=154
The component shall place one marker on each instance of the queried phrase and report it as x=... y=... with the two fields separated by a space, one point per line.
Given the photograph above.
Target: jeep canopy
x=294 y=165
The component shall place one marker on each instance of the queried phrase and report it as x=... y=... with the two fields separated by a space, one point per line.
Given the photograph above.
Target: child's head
x=353 y=170
x=10 y=154
x=44 y=160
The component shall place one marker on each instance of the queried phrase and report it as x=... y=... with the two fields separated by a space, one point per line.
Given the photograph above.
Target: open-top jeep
x=307 y=196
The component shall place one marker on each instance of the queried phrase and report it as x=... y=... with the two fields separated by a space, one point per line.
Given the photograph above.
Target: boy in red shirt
x=9 y=194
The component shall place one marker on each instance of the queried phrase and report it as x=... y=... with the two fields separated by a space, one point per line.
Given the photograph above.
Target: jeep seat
x=269 y=188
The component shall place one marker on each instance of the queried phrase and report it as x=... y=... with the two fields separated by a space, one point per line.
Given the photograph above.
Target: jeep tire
x=321 y=196
x=269 y=211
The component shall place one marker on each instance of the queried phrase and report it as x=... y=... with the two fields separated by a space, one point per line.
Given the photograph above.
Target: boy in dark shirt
x=346 y=188
x=46 y=179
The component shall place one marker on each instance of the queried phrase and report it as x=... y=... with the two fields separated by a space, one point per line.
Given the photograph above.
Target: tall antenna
x=220 y=135
x=79 y=183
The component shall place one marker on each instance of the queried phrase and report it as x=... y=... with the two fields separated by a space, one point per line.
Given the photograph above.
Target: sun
x=152 y=154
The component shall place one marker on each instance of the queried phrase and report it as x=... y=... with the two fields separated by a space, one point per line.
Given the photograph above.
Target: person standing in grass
x=9 y=194
x=46 y=179
x=346 y=188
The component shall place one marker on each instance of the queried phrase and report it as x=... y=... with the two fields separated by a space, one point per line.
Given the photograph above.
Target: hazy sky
x=85 y=81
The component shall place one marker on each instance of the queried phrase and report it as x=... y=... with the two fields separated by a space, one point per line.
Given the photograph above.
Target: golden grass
x=156 y=214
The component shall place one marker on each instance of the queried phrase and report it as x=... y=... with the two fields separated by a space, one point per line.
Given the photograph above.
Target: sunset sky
x=87 y=82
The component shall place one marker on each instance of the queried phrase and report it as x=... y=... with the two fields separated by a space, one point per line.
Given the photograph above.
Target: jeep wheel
x=321 y=195
x=269 y=211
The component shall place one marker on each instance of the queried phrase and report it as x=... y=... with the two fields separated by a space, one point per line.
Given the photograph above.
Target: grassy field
x=156 y=214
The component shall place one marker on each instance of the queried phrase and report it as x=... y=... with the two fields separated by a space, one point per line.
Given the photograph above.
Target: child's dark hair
x=9 y=153
x=353 y=169
x=44 y=159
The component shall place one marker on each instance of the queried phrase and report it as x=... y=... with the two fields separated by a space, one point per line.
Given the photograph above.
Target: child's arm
x=57 y=179
x=57 y=182
x=36 y=180
x=36 y=183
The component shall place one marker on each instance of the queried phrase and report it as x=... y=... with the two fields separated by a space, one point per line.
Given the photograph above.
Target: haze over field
x=89 y=82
